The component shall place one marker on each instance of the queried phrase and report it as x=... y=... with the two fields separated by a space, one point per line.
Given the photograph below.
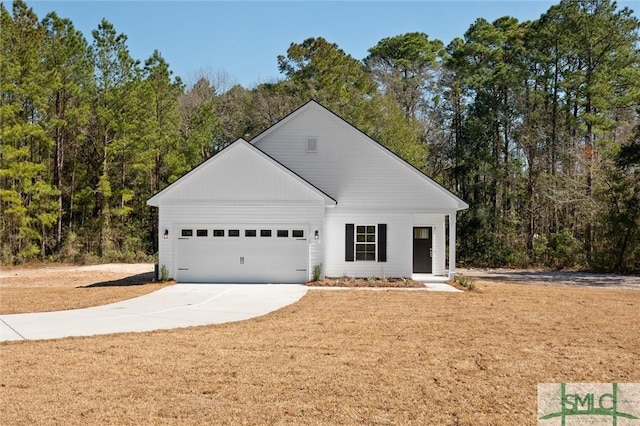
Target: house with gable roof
x=310 y=190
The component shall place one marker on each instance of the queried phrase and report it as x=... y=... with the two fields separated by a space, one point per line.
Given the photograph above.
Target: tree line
x=535 y=124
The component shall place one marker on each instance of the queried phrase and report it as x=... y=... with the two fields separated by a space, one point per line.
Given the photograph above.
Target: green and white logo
x=616 y=404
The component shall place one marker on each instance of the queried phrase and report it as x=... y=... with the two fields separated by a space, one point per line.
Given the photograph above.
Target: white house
x=310 y=190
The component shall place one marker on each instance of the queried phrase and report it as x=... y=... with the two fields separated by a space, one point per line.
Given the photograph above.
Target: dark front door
x=422 y=250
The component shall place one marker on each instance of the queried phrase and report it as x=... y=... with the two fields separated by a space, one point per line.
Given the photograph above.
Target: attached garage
x=241 y=217
x=249 y=254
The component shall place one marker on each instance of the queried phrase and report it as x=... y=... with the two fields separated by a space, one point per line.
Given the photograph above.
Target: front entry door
x=422 y=250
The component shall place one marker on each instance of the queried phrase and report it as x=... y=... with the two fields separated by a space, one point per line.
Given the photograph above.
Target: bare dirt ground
x=555 y=278
x=71 y=287
x=349 y=357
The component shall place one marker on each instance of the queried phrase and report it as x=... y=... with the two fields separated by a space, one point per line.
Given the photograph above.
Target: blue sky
x=244 y=38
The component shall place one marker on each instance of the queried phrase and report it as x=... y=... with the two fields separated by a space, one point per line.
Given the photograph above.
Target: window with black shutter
x=365 y=243
x=348 y=242
x=382 y=242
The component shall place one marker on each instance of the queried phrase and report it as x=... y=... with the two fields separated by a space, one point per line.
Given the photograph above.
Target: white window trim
x=355 y=243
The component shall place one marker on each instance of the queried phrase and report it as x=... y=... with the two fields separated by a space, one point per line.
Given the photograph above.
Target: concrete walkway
x=181 y=305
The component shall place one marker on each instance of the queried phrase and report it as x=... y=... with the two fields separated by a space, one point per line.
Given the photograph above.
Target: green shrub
x=540 y=250
x=164 y=273
x=565 y=250
x=71 y=250
x=463 y=281
x=317 y=272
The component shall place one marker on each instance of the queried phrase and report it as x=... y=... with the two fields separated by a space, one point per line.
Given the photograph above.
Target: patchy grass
x=349 y=357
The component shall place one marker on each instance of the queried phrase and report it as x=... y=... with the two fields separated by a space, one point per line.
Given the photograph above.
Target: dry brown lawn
x=348 y=357
x=19 y=300
x=70 y=287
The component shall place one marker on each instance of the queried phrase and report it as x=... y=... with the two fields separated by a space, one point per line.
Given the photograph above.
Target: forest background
x=535 y=124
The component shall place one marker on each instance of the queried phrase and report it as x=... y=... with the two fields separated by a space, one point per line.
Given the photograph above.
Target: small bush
x=87 y=258
x=565 y=250
x=344 y=279
x=6 y=256
x=164 y=273
x=316 y=272
x=541 y=250
x=463 y=281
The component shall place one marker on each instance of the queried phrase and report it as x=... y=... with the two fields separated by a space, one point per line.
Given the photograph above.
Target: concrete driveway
x=181 y=305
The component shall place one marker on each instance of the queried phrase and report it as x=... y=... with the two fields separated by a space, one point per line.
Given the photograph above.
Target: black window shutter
x=382 y=242
x=348 y=242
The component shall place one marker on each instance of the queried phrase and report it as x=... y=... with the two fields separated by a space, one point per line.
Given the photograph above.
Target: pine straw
x=366 y=282
x=351 y=357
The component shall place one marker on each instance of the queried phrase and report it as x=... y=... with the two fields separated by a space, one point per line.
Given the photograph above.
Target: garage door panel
x=242 y=259
x=277 y=261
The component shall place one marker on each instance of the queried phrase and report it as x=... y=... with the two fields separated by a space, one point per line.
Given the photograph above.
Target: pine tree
x=69 y=71
x=27 y=198
x=405 y=66
x=115 y=81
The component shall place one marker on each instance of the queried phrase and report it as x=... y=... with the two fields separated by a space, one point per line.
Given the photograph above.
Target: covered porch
x=449 y=258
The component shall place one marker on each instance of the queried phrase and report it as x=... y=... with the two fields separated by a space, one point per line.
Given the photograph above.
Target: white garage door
x=251 y=254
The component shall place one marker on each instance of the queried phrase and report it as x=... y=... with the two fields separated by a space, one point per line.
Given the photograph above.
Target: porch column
x=452 y=245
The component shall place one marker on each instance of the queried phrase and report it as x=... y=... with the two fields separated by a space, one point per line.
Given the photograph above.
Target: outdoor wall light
x=316 y=234
x=166 y=234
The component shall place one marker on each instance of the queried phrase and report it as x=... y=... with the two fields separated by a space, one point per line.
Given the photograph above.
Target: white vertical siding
x=172 y=216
